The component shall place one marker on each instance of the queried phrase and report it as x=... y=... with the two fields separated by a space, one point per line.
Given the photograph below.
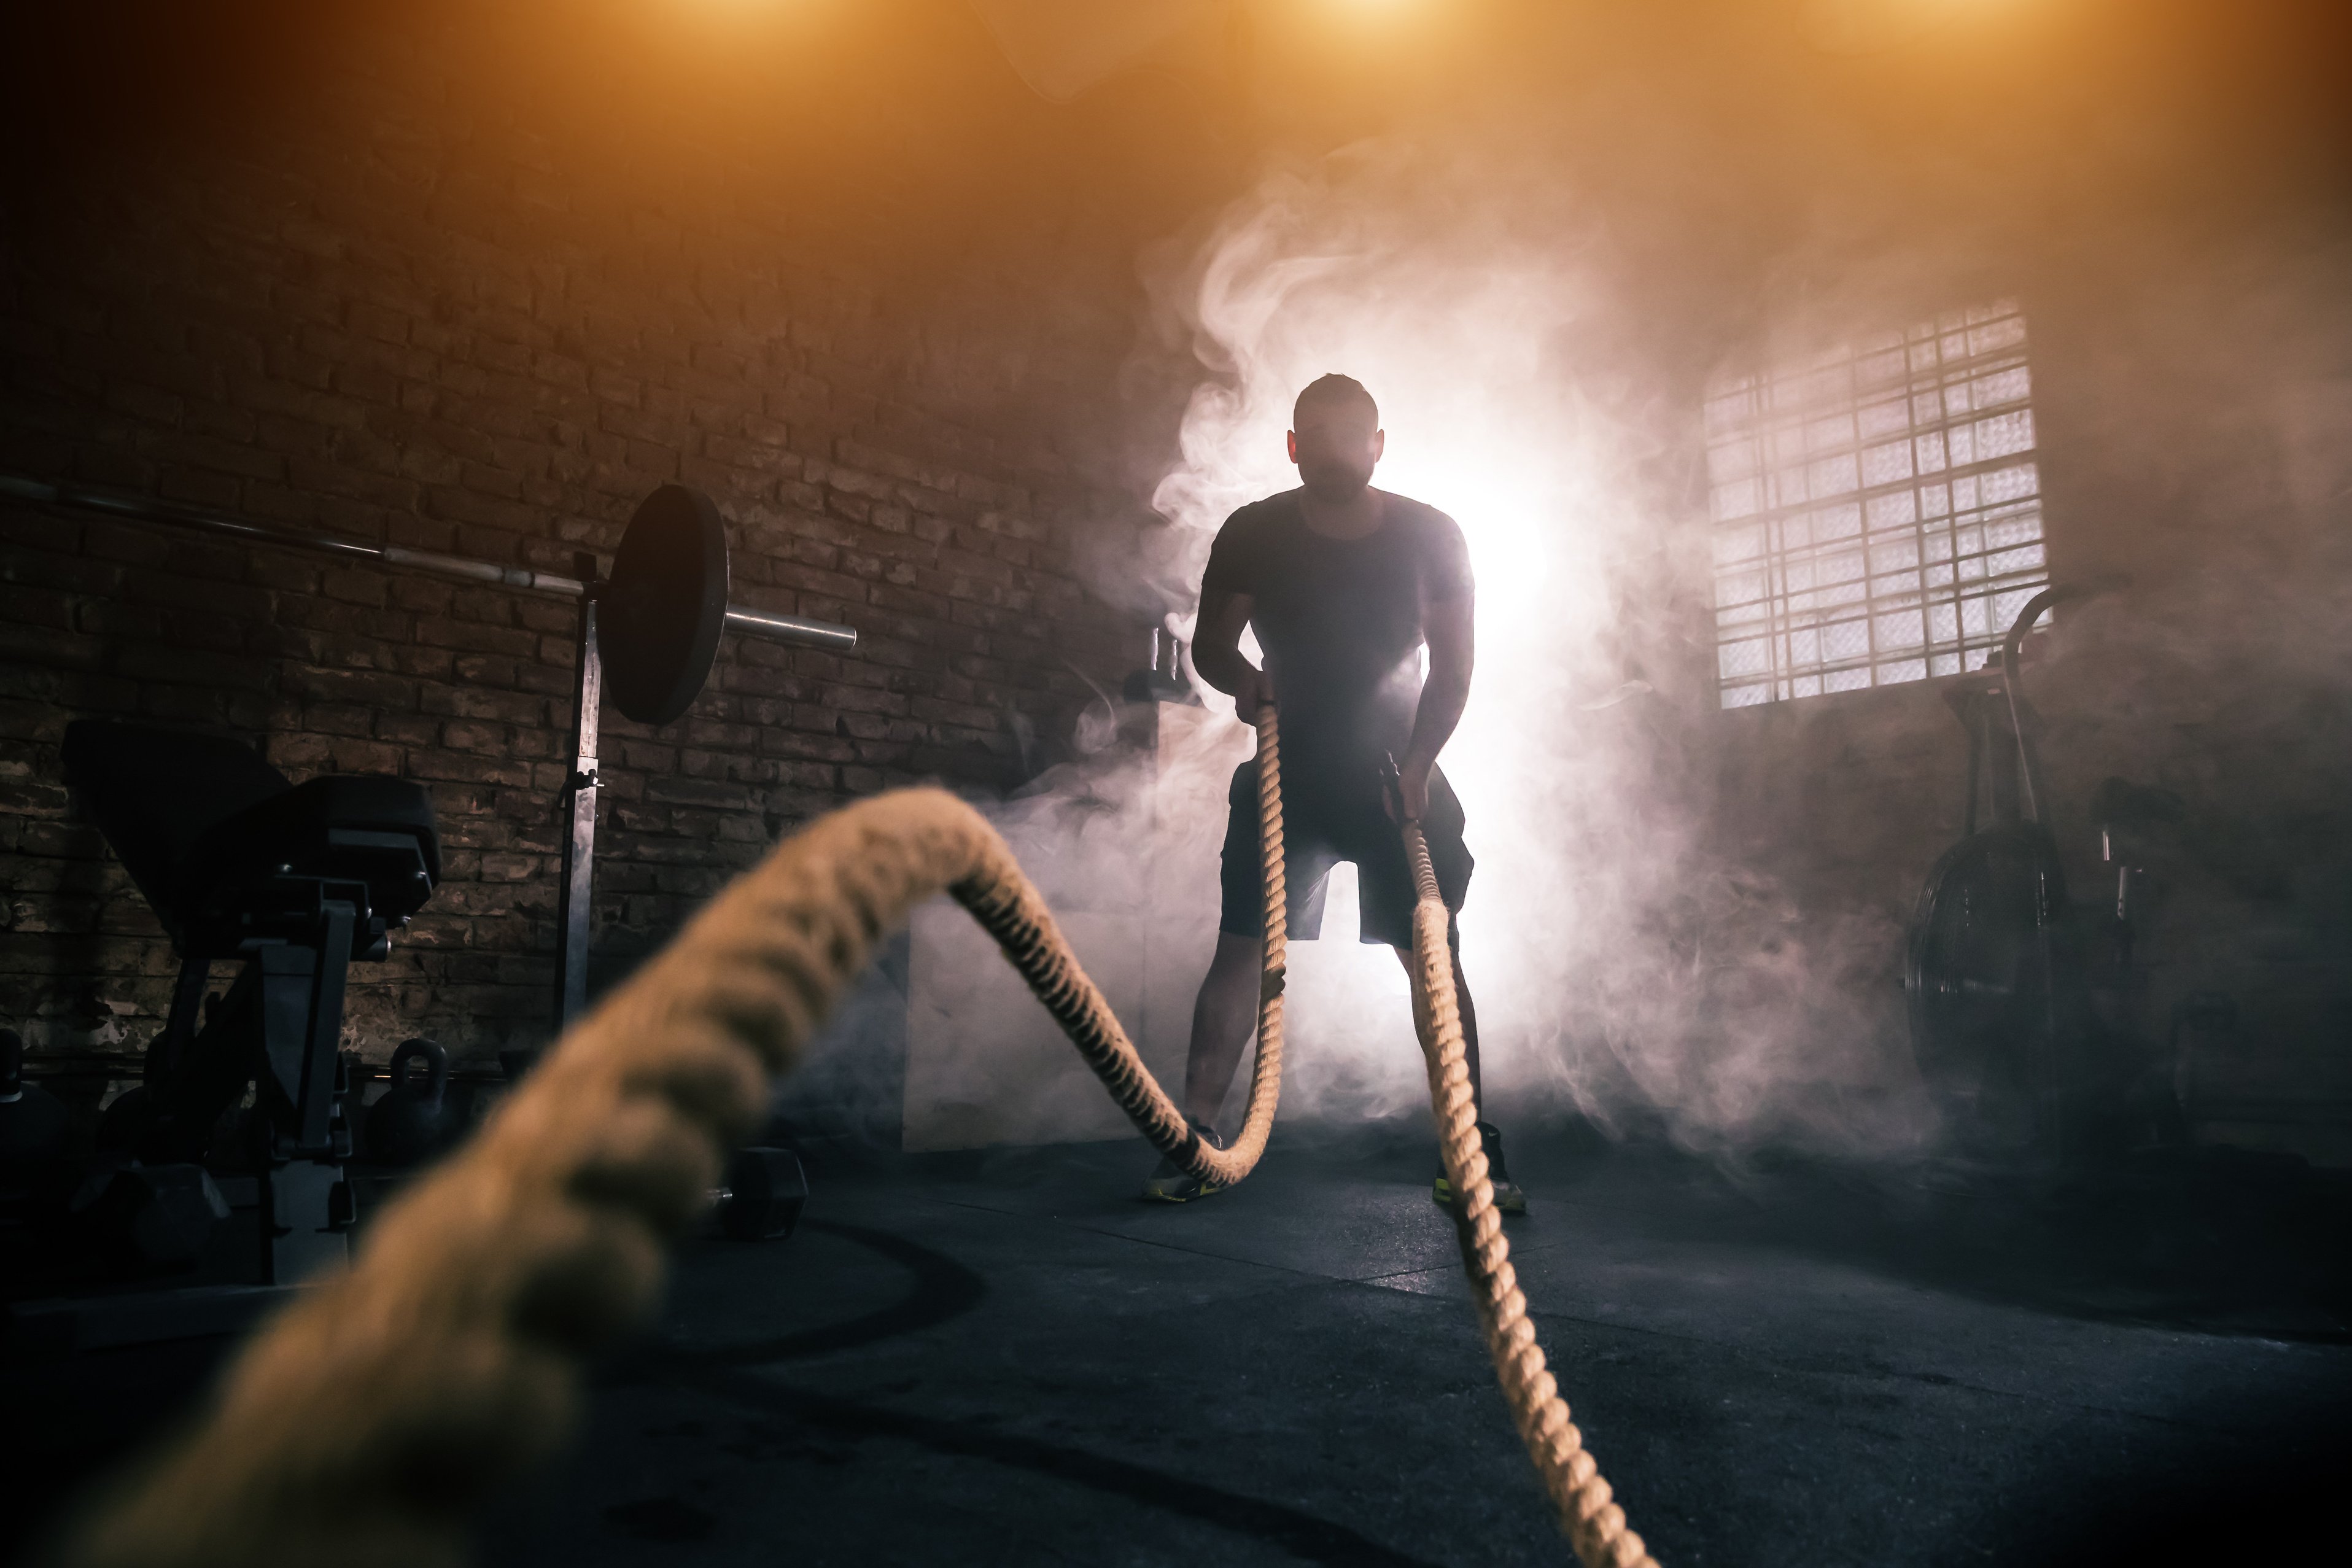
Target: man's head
x=1336 y=437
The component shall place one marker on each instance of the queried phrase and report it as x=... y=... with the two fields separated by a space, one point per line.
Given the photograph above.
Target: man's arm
x=1217 y=652
x=1452 y=652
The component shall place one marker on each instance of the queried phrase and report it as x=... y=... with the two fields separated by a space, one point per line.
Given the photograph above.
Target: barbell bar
x=770 y=624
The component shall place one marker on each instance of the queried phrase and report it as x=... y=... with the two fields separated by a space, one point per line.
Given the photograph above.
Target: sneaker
x=1508 y=1199
x=1172 y=1184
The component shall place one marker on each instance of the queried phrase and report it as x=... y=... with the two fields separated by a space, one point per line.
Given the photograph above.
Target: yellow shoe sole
x=1507 y=1200
x=1154 y=1193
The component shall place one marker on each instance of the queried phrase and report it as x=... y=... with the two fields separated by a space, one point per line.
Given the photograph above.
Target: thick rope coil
x=377 y=1412
x=1009 y=908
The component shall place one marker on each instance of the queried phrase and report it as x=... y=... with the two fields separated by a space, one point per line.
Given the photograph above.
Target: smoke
x=1618 y=965
x=1679 y=920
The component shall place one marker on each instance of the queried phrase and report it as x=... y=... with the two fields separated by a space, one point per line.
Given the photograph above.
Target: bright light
x=1451 y=339
x=1869 y=27
x=1615 y=960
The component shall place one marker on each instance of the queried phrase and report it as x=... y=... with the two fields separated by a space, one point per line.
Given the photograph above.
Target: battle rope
x=376 y=1413
x=1595 y=1525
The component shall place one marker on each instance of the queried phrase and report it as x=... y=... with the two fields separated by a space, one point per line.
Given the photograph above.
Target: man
x=1345 y=585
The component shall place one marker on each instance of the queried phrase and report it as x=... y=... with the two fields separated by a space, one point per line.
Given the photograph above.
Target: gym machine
x=293 y=883
x=650 y=631
x=2004 y=973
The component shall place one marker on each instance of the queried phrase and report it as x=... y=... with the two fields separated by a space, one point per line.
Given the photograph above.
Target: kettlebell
x=410 y=1123
x=33 y=1122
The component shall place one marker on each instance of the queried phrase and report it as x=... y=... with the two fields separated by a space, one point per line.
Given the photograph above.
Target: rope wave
x=376 y=1416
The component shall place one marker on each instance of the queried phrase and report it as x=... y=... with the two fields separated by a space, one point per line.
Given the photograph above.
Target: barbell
x=649 y=631
x=665 y=602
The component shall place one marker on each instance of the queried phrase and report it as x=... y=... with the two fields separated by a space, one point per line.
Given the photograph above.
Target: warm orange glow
x=1378 y=10
x=736 y=18
x=1866 y=26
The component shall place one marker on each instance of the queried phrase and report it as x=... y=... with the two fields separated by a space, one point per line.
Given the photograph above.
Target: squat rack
x=665 y=602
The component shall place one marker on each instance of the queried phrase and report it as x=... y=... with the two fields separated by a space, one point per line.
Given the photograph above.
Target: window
x=1877 y=510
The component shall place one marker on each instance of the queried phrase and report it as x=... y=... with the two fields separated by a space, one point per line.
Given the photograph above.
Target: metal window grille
x=1877 y=510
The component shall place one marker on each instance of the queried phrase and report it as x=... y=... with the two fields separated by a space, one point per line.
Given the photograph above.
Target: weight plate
x=660 y=615
x=765 y=1191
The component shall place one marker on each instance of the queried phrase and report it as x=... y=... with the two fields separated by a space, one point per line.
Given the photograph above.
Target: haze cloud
x=1539 y=304
x=1617 y=966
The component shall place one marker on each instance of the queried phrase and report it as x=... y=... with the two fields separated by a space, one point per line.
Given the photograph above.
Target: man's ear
x=1379 y=444
x=1290 y=444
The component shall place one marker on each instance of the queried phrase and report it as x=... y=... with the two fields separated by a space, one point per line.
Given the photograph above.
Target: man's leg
x=1224 y=1015
x=1224 y=1018
x=1508 y=1198
x=1469 y=1020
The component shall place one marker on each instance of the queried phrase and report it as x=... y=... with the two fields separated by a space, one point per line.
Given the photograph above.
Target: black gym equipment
x=415 y=1119
x=651 y=630
x=2002 y=970
x=128 y=1213
x=34 y=1126
x=664 y=605
x=292 y=883
x=1165 y=681
x=764 y=1194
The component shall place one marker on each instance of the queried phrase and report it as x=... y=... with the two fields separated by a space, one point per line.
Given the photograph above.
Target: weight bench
x=292 y=881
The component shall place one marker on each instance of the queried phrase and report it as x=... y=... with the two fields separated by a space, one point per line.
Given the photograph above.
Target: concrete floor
x=1008 y=1359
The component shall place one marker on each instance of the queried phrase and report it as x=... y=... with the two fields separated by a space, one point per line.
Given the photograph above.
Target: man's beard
x=1335 y=483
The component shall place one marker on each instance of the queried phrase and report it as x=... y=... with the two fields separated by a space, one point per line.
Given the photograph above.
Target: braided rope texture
x=377 y=1412
x=1594 y=1524
x=1010 y=909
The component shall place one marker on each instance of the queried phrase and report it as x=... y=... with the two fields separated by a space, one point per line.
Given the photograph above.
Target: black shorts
x=1324 y=823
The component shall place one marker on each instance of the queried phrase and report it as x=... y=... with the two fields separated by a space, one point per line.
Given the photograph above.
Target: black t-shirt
x=1340 y=622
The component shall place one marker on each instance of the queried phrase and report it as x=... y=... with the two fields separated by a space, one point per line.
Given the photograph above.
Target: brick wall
x=395 y=308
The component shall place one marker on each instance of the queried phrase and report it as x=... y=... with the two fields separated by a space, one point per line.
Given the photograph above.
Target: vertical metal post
x=169 y=1048
x=573 y=897
x=315 y=1103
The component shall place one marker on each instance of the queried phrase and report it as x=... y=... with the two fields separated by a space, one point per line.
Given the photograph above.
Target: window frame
x=1825 y=530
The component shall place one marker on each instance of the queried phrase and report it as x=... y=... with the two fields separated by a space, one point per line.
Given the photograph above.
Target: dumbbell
x=762 y=1197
